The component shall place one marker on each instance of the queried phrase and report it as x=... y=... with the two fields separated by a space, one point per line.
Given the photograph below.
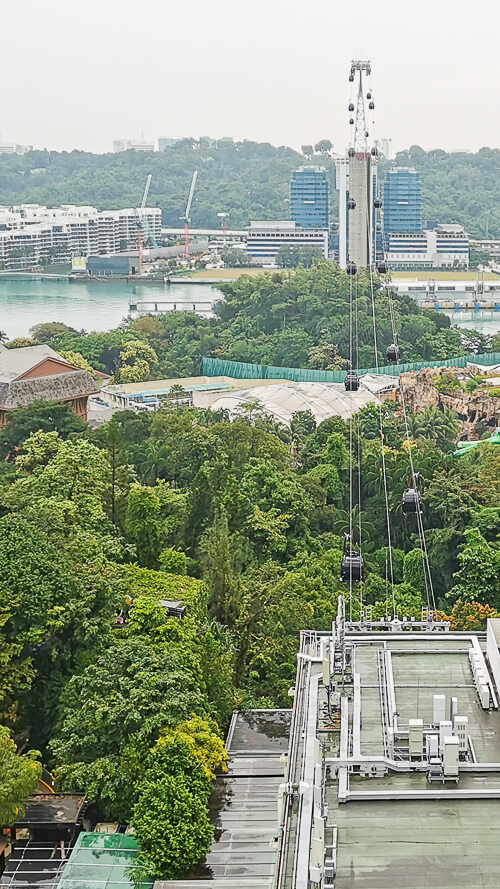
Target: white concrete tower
x=360 y=212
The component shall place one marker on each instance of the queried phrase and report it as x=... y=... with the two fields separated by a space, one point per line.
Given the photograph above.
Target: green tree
x=46 y=416
x=478 y=578
x=173 y=562
x=44 y=333
x=143 y=526
x=171 y=825
x=18 y=778
x=218 y=569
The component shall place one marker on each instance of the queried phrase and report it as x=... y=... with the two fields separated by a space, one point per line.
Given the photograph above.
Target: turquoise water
x=87 y=306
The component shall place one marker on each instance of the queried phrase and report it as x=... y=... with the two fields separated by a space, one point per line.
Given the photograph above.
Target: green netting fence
x=240 y=370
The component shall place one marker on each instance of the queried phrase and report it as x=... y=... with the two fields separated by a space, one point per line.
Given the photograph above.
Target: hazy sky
x=80 y=74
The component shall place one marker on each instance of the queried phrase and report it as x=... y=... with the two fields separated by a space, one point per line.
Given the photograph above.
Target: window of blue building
x=402 y=202
x=309 y=197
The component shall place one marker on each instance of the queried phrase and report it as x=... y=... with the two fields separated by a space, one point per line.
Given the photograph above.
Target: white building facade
x=445 y=247
x=264 y=240
x=32 y=235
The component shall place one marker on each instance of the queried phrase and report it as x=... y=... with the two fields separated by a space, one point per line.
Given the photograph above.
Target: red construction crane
x=186 y=219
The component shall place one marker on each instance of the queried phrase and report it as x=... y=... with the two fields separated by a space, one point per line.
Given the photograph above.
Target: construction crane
x=185 y=219
x=144 y=227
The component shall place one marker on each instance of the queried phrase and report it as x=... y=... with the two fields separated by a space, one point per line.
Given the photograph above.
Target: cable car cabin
x=351 y=106
x=411 y=502
x=382 y=267
x=371 y=106
x=351 y=567
x=351 y=152
x=393 y=353
x=351 y=268
x=377 y=203
x=352 y=204
x=351 y=381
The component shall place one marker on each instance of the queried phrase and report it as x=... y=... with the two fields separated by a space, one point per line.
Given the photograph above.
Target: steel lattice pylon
x=360 y=137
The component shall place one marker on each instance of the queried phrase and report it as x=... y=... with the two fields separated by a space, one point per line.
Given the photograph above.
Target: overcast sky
x=80 y=74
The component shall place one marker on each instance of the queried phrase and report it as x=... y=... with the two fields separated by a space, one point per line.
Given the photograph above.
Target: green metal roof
x=103 y=861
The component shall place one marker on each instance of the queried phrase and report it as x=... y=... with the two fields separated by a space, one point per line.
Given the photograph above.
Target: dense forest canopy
x=247 y=180
x=242 y=522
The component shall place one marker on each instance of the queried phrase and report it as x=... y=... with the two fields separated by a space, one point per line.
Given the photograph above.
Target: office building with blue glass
x=309 y=198
x=402 y=202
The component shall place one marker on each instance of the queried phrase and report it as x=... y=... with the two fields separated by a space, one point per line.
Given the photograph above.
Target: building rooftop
x=243 y=806
x=281 y=401
x=52 y=808
x=14 y=363
x=386 y=814
x=103 y=861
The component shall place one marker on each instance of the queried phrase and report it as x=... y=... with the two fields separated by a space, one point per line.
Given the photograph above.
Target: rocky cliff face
x=478 y=412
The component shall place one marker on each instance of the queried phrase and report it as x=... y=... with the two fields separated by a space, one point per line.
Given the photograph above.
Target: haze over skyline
x=275 y=71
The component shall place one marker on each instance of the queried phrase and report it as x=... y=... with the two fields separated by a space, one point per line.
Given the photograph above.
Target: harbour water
x=102 y=305
x=85 y=306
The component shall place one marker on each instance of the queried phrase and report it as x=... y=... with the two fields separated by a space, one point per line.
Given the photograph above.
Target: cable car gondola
x=351 y=120
x=377 y=203
x=351 y=268
x=352 y=204
x=351 y=77
x=393 y=353
x=371 y=106
x=351 y=566
x=382 y=267
x=351 y=381
x=351 y=106
x=411 y=502
x=368 y=95
x=351 y=152
x=374 y=152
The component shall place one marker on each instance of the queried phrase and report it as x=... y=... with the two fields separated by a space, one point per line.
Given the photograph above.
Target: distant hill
x=459 y=187
x=246 y=180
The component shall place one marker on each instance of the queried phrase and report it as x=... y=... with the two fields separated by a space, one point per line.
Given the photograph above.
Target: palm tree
x=341 y=524
x=440 y=426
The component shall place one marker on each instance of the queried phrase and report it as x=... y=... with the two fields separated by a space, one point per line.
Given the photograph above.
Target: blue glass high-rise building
x=402 y=201
x=309 y=197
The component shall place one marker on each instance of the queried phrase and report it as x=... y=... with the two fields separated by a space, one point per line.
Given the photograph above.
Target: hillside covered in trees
x=247 y=180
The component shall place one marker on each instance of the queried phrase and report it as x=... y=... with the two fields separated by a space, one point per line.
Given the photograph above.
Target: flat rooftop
x=383 y=819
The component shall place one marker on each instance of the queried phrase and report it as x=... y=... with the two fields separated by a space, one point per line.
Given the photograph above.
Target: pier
x=160 y=306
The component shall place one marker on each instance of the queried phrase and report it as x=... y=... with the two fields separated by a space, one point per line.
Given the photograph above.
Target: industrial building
x=120 y=264
x=31 y=234
x=309 y=198
x=264 y=240
x=402 y=202
x=279 y=399
x=386 y=774
x=445 y=247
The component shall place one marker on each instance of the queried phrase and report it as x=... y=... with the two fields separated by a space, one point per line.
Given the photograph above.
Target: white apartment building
x=264 y=240
x=445 y=247
x=31 y=234
x=133 y=145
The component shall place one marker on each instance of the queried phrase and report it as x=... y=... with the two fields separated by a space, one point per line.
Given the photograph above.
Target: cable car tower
x=360 y=170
